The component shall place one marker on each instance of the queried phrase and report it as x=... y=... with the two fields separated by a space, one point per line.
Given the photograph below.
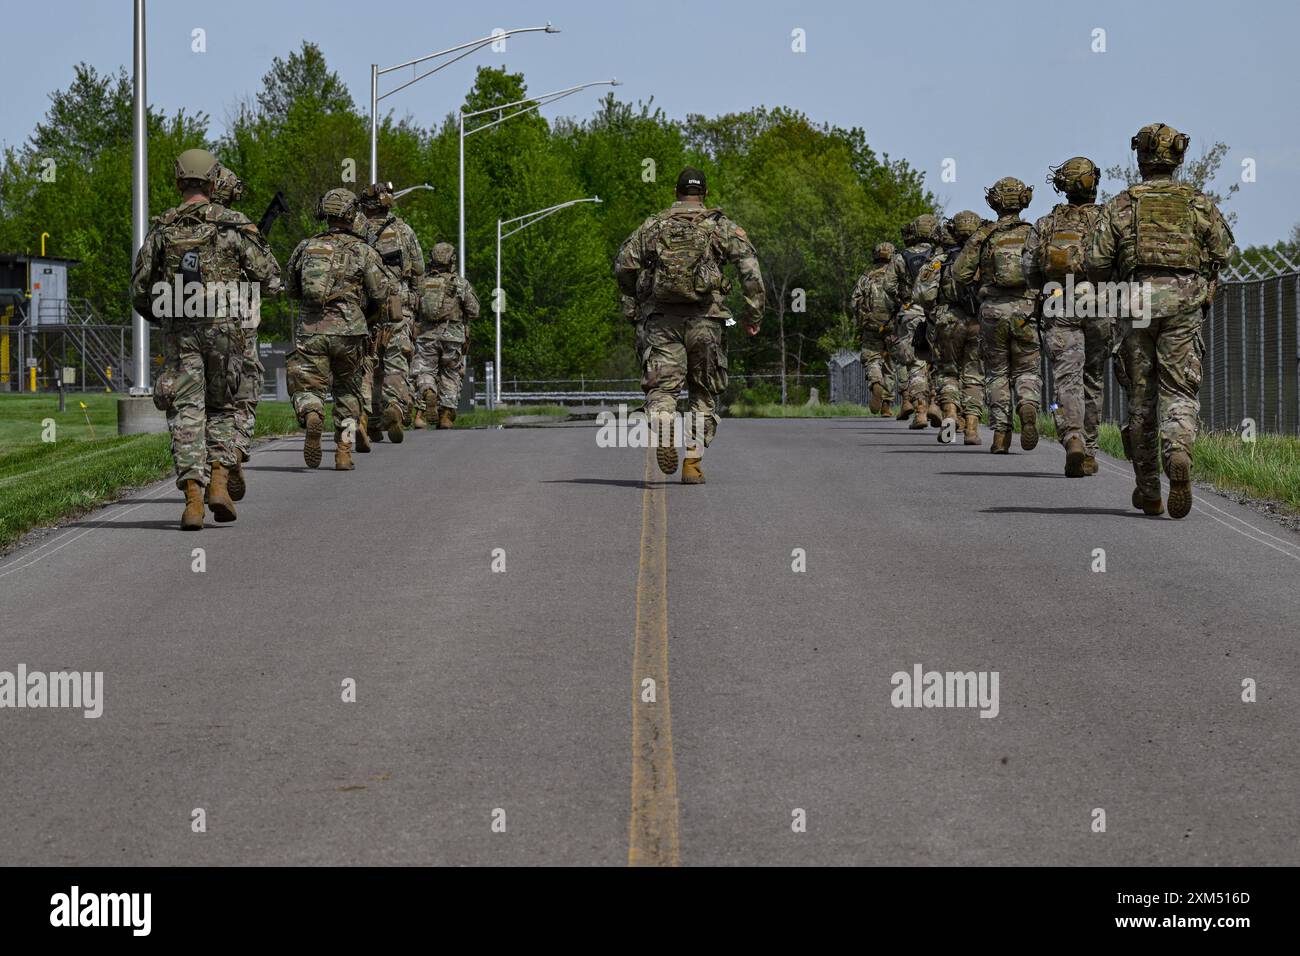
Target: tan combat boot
x=343 y=456
x=446 y=417
x=934 y=416
x=1149 y=506
x=919 y=417
x=235 y=483
x=972 y=430
x=311 y=444
x=887 y=410
x=363 y=437
x=691 y=473
x=192 y=516
x=904 y=411
x=1179 y=471
x=1089 y=465
x=949 y=413
x=223 y=509
x=877 y=398
x=418 y=422
x=1074 y=456
x=1028 y=427
x=393 y=423
x=1001 y=443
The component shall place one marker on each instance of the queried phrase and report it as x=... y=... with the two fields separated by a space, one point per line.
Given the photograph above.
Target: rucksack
x=438 y=300
x=879 y=291
x=387 y=241
x=1164 y=222
x=686 y=268
x=1062 y=245
x=322 y=259
x=1000 y=258
x=189 y=234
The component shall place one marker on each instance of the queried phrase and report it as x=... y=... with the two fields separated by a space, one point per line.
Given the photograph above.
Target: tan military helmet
x=1077 y=178
x=337 y=203
x=884 y=252
x=443 y=257
x=228 y=188
x=377 y=195
x=196 y=165
x=964 y=224
x=1008 y=194
x=1159 y=147
x=925 y=228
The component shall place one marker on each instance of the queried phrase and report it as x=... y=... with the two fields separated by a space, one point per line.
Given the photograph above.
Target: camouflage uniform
x=1169 y=234
x=343 y=287
x=445 y=307
x=203 y=356
x=686 y=341
x=1008 y=333
x=1078 y=345
x=873 y=303
x=388 y=373
x=921 y=249
x=953 y=313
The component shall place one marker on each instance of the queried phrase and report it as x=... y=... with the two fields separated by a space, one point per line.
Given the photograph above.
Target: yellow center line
x=652 y=831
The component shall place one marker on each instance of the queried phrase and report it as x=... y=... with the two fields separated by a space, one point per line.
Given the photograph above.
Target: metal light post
x=523 y=106
x=140 y=383
x=524 y=221
x=376 y=72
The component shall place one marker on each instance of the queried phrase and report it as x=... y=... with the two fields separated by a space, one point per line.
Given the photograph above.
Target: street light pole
x=526 y=105
x=376 y=72
x=526 y=220
x=140 y=383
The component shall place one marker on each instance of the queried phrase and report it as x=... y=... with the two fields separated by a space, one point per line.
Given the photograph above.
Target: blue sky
x=1003 y=87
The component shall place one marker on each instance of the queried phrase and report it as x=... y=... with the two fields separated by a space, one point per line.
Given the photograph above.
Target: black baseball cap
x=690 y=181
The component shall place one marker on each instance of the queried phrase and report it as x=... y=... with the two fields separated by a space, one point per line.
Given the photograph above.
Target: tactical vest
x=386 y=239
x=1163 y=234
x=439 y=300
x=1000 y=262
x=686 y=259
x=190 y=235
x=1061 y=247
x=324 y=259
x=950 y=293
x=879 y=292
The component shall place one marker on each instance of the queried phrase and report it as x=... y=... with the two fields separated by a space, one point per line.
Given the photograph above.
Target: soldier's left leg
x=1179 y=350
x=223 y=361
x=1140 y=360
x=662 y=376
x=972 y=371
x=706 y=379
x=186 y=421
x=347 y=366
x=397 y=370
x=1096 y=348
x=451 y=371
x=1064 y=340
x=949 y=333
x=248 y=395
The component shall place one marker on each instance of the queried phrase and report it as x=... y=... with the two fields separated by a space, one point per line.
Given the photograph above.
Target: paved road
x=522 y=696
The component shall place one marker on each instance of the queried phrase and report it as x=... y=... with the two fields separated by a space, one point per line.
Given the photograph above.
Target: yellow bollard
x=32 y=373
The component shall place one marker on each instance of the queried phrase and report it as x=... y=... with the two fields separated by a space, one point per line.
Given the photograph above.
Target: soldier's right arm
x=293 y=273
x=257 y=258
x=1029 y=256
x=468 y=301
x=377 y=283
x=145 y=272
x=966 y=269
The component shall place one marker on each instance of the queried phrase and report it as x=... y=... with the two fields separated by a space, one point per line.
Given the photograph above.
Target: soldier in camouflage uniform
x=953 y=314
x=921 y=237
x=874 y=301
x=201 y=242
x=1078 y=346
x=386 y=387
x=1170 y=235
x=343 y=288
x=634 y=311
x=228 y=190
x=445 y=307
x=993 y=261
x=684 y=248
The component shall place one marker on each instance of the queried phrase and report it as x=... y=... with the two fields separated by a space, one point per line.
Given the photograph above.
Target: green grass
x=45 y=482
x=482 y=417
x=776 y=410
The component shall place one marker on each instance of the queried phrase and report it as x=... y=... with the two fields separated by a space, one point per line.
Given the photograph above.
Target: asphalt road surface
x=524 y=716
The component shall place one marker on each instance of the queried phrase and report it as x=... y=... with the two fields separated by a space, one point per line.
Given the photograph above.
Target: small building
x=34 y=286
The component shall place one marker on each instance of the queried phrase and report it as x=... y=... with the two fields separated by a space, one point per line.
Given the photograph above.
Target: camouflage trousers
x=1078 y=348
x=328 y=363
x=916 y=370
x=877 y=341
x=248 y=395
x=197 y=388
x=689 y=349
x=1009 y=349
x=386 y=377
x=960 y=373
x=440 y=365
x=1164 y=368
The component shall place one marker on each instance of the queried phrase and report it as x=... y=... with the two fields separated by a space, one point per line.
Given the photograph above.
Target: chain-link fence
x=1251 y=367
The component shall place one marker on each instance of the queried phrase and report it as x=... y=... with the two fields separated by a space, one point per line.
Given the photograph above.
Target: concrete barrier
x=139 y=416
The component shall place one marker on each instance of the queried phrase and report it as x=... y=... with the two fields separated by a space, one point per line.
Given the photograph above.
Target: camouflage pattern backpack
x=387 y=241
x=323 y=258
x=1064 y=241
x=438 y=299
x=190 y=234
x=1000 y=258
x=879 y=295
x=686 y=266
x=1164 y=223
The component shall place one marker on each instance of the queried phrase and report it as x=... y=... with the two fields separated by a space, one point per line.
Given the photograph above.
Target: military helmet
x=443 y=255
x=1075 y=177
x=1008 y=194
x=964 y=224
x=228 y=188
x=337 y=203
x=924 y=227
x=884 y=252
x=1159 y=146
x=198 y=165
x=377 y=194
